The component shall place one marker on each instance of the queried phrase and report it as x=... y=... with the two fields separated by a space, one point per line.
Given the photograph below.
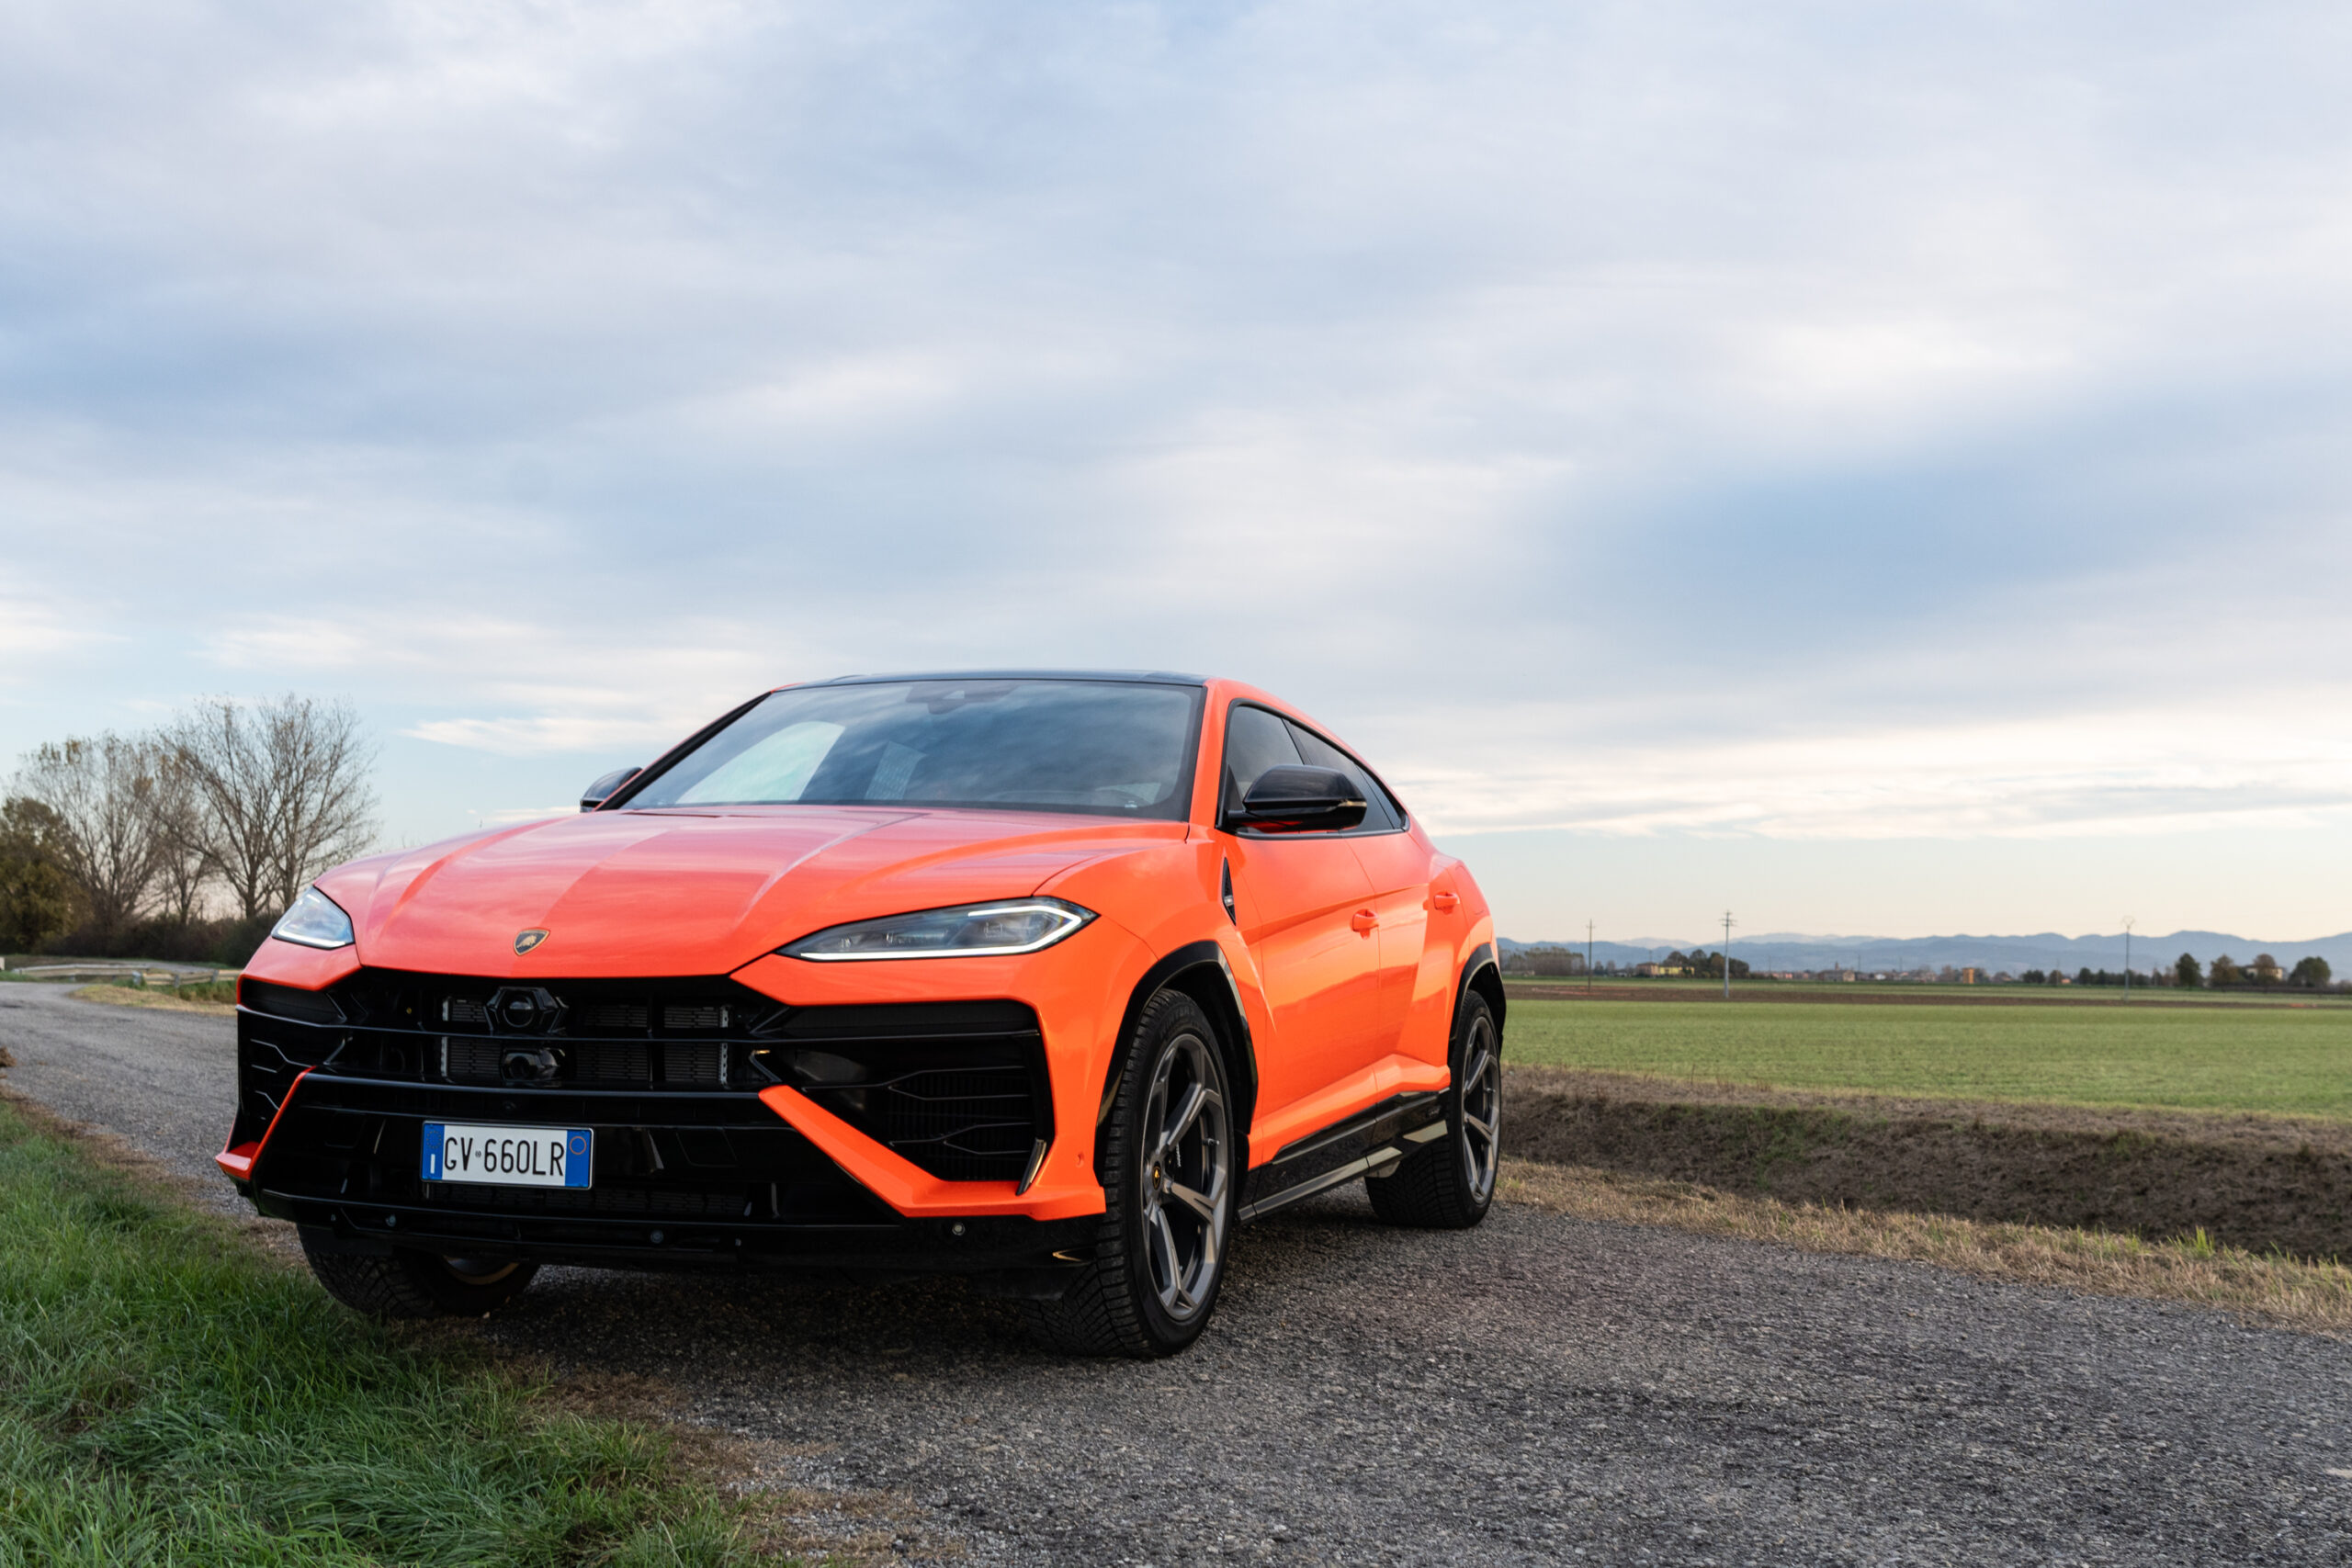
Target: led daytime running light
x=1001 y=930
x=314 y=920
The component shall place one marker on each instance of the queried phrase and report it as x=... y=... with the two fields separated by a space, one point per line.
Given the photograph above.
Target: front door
x=1305 y=907
x=1396 y=865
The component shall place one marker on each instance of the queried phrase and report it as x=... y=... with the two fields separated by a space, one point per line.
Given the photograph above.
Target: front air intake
x=957 y=1088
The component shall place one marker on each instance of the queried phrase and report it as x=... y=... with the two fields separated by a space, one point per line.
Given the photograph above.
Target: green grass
x=1911 y=990
x=168 y=1397
x=2271 y=1059
x=194 y=991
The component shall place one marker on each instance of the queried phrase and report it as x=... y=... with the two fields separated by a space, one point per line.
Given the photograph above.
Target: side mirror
x=1300 y=800
x=596 y=794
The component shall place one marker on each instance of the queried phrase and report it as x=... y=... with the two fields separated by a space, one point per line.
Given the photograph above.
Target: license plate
x=509 y=1156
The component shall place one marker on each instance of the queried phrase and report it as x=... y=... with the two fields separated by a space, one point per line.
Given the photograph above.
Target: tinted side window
x=1254 y=741
x=1379 y=811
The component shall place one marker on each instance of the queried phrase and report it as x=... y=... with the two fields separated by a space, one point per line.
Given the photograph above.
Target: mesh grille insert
x=957 y=1088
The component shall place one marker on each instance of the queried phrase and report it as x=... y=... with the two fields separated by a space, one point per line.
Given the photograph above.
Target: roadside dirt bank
x=1937 y=995
x=2251 y=1181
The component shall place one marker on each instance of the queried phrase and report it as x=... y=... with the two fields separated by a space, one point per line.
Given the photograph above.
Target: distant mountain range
x=2048 y=950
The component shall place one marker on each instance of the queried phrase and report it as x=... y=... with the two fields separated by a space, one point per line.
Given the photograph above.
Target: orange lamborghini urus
x=1047 y=979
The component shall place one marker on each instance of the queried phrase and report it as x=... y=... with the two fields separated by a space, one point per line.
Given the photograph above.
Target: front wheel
x=1170 y=1174
x=1449 y=1184
x=418 y=1284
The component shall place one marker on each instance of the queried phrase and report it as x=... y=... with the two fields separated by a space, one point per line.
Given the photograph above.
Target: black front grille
x=959 y=1089
x=621 y=1034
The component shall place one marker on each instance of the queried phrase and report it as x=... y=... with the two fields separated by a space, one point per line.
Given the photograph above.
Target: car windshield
x=1110 y=747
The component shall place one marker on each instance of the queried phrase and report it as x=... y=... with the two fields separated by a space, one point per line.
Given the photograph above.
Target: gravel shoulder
x=162 y=1079
x=1544 y=1389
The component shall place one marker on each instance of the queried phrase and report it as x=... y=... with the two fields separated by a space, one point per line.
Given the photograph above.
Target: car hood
x=662 y=893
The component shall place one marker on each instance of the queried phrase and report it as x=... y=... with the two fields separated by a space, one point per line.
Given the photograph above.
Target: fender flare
x=1481 y=972
x=1200 y=970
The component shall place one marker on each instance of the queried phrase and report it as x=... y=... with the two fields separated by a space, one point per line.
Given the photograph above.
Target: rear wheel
x=1449 y=1184
x=1170 y=1180
x=419 y=1284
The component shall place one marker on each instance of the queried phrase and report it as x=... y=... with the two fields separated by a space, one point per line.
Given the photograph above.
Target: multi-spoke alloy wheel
x=1171 y=1157
x=1449 y=1183
x=1482 y=1106
x=1187 y=1164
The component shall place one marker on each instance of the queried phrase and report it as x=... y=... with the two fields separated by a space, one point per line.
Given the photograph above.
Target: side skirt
x=1367 y=1143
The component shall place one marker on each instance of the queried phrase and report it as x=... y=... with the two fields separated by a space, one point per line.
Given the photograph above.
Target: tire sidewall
x=1475 y=1006
x=1163 y=1024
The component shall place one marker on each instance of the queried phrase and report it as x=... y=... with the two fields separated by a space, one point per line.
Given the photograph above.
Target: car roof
x=1156 y=677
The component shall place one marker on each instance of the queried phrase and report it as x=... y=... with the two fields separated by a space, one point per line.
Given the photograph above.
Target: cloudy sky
x=1883 y=469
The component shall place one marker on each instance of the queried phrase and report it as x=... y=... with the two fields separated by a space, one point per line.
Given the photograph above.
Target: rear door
x=1304 y=905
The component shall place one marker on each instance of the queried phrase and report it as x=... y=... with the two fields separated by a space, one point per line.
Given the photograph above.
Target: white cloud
x=2147 y=773
x=547 y=732
x=1648 y=419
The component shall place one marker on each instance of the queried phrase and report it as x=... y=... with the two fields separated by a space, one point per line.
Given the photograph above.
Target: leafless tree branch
x=284 y=792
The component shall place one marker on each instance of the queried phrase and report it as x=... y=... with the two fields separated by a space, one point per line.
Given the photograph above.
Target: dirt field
x=1902 y=995
x=2254 y=1181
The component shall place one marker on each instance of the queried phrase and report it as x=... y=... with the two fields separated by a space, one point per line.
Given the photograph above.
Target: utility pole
x=1587 y=955
x=2127 y=957
x=1727 y=925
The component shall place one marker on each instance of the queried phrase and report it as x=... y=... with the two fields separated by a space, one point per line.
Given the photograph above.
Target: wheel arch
x=1199 y=970
x=1482 y=973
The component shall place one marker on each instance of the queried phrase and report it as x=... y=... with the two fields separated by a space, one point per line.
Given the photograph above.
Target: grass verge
x=170 y=1396
x=2272 y=1289
x=218 y=997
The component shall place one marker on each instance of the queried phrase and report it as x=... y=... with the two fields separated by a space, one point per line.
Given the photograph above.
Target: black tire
x=419 y=1284
x=1449 y=1183
x=1171 y=1163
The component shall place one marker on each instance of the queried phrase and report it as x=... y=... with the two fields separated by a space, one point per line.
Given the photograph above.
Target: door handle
x=1445 y=903
x=1363 y=921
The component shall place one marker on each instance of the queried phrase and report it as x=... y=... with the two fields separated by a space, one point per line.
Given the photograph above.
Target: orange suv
x=1047 y=979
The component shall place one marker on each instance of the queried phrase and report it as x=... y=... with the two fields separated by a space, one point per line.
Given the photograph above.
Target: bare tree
x=184 y=866
x=102 y=792
x=284 y=789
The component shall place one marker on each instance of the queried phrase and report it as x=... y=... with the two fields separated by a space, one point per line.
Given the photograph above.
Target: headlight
x=969 y=931
x=315 y=920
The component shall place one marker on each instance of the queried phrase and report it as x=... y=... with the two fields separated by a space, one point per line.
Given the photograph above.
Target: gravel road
x=1541 y=1389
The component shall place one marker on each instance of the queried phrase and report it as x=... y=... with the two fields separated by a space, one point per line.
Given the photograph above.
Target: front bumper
x=682 y=1181
x=921 y=1160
